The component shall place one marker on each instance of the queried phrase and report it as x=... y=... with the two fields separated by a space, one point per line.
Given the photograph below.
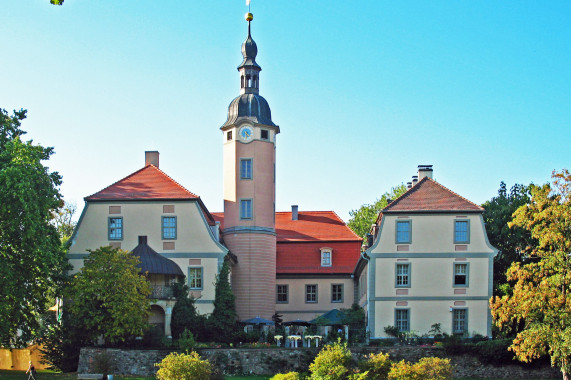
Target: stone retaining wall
x=268 y=361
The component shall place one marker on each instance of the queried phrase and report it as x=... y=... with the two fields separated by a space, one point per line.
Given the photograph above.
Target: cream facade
x=430 y=265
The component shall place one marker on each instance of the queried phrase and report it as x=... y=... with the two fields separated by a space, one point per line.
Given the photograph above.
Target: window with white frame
x=310 y=293
x=403 y=232
x=195 y=278
x=460 y=274
x=246 y=168
x=461 y=231
x=402 y=320
x=326 y=258
x=337 y=293
x=245 y=209
x=169 y=227
x=402 y=275
x=282 y=294
x=115 y=228
x=459 y=321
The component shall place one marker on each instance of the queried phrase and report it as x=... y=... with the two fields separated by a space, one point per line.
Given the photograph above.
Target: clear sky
x=363 y=91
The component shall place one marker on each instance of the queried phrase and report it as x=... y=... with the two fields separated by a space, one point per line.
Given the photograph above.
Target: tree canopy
x=511 y=242
x=109 y=296
x=33 y=263
x=541 y=296
x=362 y=218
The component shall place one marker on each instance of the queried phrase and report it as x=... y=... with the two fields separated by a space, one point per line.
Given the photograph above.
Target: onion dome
x=152 y=262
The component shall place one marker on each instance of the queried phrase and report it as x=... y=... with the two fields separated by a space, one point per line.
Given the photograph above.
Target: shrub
x=425 y=369
x=186 y=341
x=287 y=376
x=392 y=331
x=454 y=345
x=377 y=366
x=183 y=367
x=153 y=337
x=494 y=351
x=332 y=363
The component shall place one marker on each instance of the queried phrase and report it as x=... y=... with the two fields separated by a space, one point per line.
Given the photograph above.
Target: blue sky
x=363 y=91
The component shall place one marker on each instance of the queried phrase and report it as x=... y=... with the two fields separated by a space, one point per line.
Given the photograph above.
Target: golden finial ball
x=249 y=17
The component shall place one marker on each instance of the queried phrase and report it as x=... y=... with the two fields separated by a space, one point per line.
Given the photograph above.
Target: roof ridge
x=175 y=182
x=346 y=225
x=116 y=182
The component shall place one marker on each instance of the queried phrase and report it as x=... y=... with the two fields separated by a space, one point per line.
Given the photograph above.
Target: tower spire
x=249 y=69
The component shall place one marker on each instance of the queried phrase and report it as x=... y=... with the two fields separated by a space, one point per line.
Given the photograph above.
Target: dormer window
x=326 y=257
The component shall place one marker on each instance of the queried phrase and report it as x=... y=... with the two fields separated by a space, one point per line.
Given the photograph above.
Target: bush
x=493 y=351
x=186 y=341
x=332 y=363
x=183 y=367
x=454 y=345
x=425 y=369
x=153 y=337
x=377 y=366
x=287 y=376
x=392 y=331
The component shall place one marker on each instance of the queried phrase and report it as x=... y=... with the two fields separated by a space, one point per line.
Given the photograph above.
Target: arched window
x=326 y=257
x=255 y=81
x=242 y=81
x=248 y=81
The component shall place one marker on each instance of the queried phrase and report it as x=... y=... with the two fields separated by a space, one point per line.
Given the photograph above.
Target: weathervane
x=249 y=15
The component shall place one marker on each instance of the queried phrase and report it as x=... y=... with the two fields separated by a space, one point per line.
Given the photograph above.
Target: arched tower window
x=248 y=81
x=242 y=81
x=255 y=81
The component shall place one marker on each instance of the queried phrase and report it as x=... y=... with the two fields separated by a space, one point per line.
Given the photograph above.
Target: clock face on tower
x=246 y=133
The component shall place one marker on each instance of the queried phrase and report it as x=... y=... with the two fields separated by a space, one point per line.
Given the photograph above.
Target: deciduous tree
x=32 y=261
x=362 y=218
x=541 y=295
x=109 y=296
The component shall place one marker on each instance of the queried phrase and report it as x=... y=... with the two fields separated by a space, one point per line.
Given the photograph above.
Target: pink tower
x=249 y=140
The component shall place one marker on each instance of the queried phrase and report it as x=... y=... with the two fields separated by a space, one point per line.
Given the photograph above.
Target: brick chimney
x=152 y=158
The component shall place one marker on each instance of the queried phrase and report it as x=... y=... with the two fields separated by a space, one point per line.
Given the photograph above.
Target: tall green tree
x=109 y=296
x=184 y=314
x=362 y=218
x=511 y=242
x=541 y=296
x=32 y=261
x=223 y=318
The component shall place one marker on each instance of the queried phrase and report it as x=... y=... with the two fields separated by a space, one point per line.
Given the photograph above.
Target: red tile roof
x=149 y=183
x=299 y=243
x=313 y=226
x=428 y=195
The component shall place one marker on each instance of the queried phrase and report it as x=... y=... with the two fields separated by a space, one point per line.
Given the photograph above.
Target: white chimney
x=414 y=180
x=294 y=213
x=424 y=171
x=152 y=158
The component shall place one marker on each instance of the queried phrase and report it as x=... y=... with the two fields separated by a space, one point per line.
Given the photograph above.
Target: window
x=459 y=321
x=115 y=228
x=246 y=168
x=337 y=293
x=402 y=279
x=460 y=274
x=461 y=231
x=403 y=232
x=229 y=135
x=169 y=227
x=310 y=293
x=195 y=278
x=326 y=258
x=282 y=294
x=402 y=321
x=265 y=134
x=245 y=209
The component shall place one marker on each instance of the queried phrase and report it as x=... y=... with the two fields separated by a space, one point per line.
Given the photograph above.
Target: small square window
x=229 y=135
x=403 y=232
x=115 y=228
x=169 y=227
x=265 y=134
x=246 y=209
x=246 y=168
x=326 y=258
x=195 y=278
x=337 y=293
x=282 y=294
x=310 y=293
x=402 y=276
x=461 y=231
x=461 y=275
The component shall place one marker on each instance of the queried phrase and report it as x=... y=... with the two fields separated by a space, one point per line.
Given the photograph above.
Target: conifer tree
x=223 y=318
